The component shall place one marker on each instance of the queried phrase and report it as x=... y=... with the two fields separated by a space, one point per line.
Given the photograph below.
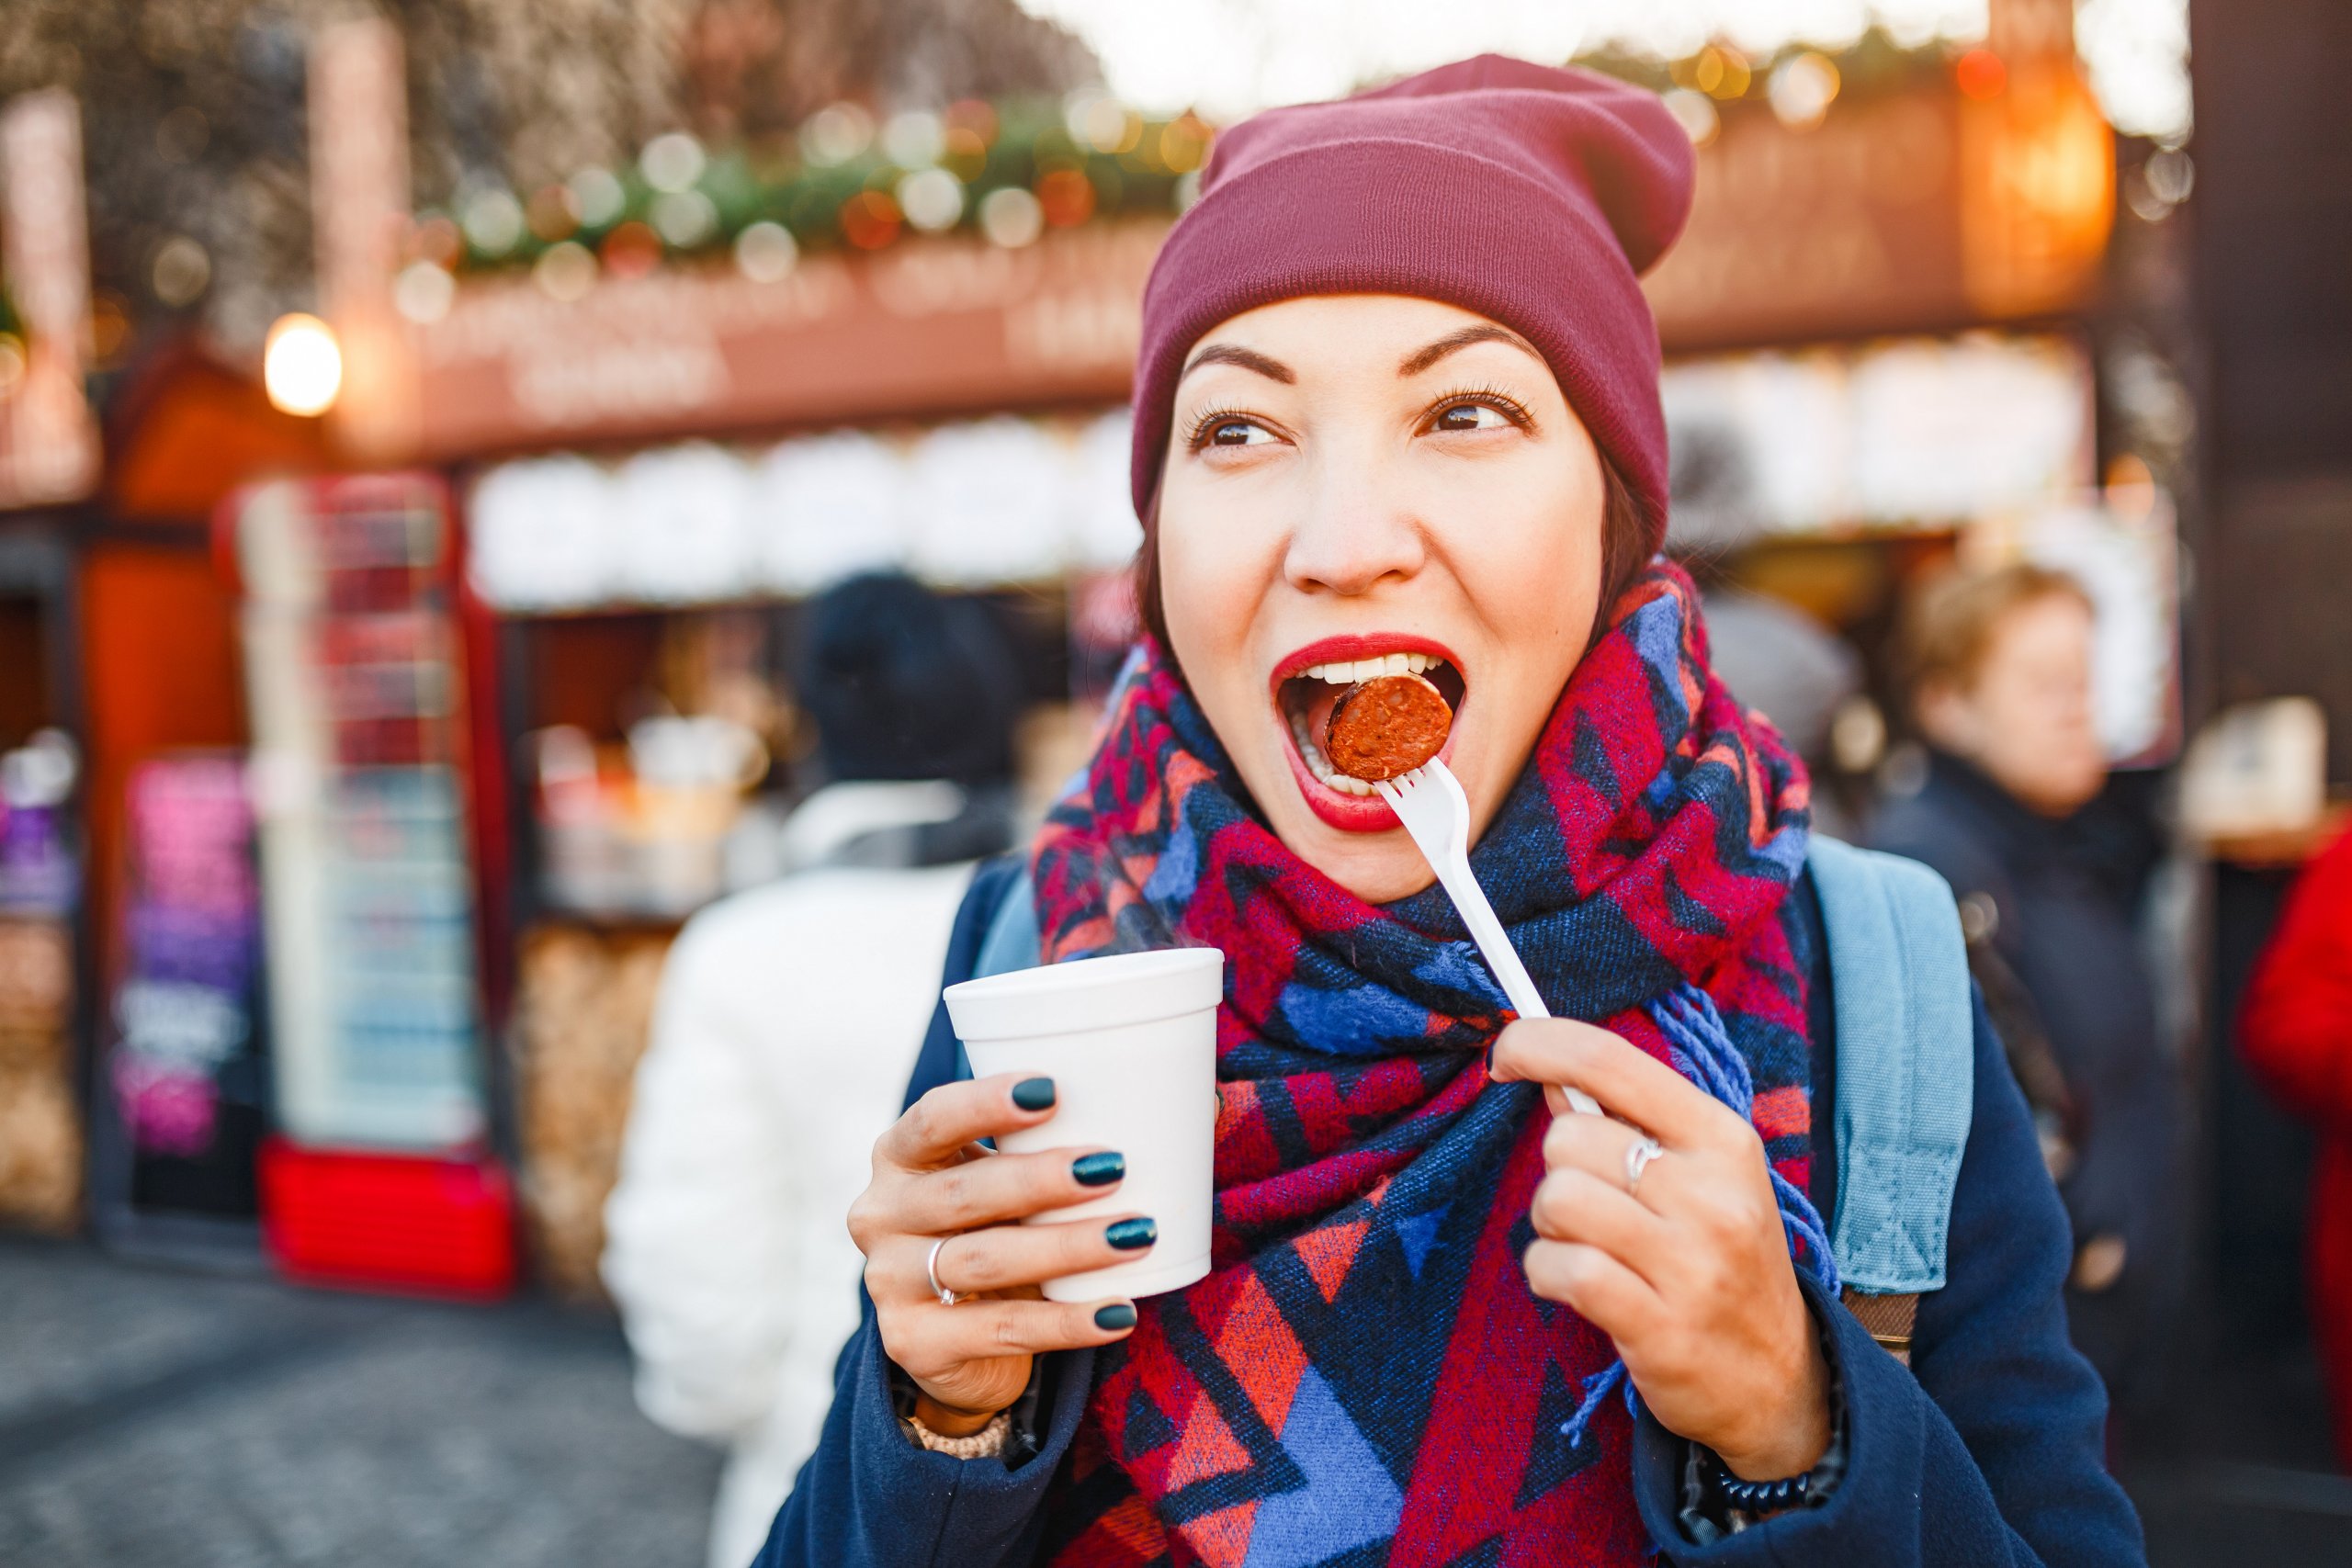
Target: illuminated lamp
x=302 y=365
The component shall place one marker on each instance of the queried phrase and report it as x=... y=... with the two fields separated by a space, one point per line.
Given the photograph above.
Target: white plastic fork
x=1430 y=804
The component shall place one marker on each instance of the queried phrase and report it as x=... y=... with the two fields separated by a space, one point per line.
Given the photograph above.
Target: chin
x=1378 y=868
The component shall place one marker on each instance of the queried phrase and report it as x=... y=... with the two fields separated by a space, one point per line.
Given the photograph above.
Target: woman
x=2296 y=1033
x=2050 y=881
x=1398 y=394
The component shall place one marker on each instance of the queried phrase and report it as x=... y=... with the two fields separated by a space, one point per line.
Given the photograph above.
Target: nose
x=1353 y=536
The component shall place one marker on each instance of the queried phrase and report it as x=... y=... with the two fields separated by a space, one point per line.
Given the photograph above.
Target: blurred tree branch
x=195 y=124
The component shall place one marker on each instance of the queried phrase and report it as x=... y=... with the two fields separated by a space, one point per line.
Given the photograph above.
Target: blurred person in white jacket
x=787 y=1025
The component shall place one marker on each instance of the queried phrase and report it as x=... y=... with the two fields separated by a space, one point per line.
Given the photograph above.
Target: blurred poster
x=351 y=659
x=186 y=1070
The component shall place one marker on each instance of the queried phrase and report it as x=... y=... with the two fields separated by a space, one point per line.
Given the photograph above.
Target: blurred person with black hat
x=787 y=1020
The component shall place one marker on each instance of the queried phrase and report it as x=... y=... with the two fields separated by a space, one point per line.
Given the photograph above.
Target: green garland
x=1141 y=165
x=829 y=206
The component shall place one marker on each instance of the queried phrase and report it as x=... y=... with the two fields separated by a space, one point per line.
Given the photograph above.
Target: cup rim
x=1056 y=999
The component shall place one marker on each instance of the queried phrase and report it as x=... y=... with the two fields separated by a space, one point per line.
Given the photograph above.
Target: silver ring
x=1639 y=1156
x=947 y=1298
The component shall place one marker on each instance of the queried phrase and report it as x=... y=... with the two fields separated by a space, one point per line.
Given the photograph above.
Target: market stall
x=672 y=403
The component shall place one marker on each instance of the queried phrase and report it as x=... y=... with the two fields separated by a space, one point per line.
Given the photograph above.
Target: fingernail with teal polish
x=1034 y=1094
x=1129 y=1235
x=1099 y=1169
x=1118 y=1315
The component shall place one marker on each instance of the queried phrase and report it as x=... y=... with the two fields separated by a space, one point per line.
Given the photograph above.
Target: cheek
x=1529 y=561
x=1207 y=595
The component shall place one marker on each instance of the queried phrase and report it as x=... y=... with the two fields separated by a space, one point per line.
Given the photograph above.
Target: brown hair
x=1625 y=534
x=1950 y=623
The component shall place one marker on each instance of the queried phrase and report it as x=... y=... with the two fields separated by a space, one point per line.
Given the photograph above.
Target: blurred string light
x=835 y=134
x=1979 y=73
x=600 y=195
x=423 y=292
x=2159 y=185
x=302 y=366
x=685 y=218
x=673 y=162
x=181 y=272
x=1229 y=57
x=766 y=252
x=492 y=218
x=914 y=140
x=1696 y=113
x=1803 y=87
x=566 y=271
x=932 y=199
x=1012 y=217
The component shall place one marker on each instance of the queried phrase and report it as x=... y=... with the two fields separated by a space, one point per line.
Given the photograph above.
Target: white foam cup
x=1130 y=1042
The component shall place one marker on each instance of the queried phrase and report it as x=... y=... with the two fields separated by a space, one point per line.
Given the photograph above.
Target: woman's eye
x=1470 y=416
x=1237 y=432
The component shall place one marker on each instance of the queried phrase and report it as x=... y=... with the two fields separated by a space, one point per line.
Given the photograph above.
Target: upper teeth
x=1348 y=672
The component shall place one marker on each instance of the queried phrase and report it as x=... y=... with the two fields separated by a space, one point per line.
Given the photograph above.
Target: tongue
x=1319 y=705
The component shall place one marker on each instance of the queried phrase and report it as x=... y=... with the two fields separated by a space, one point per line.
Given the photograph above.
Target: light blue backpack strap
x=1905 y=1064
x=1011 y=942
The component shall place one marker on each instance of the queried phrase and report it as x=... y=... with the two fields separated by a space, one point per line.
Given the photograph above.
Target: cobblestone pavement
x=155 y=1418
x=151 y=1417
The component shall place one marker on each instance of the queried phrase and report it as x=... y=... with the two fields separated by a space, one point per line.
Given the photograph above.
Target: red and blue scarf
x=1364 y=1375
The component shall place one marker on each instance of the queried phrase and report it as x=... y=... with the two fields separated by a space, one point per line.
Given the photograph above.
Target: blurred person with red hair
x=2296 y=1031
x=2050 y=877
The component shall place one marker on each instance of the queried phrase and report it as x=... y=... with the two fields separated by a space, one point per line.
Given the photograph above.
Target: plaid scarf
x=1364 y=1375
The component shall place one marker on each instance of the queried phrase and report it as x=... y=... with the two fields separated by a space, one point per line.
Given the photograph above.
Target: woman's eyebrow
x=1248 y=358
x=1485 y=332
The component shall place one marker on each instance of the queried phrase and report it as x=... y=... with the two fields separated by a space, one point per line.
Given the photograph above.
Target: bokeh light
x=302 y=365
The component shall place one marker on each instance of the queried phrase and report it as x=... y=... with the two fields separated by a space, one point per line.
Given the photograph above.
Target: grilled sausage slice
x=1385 y=726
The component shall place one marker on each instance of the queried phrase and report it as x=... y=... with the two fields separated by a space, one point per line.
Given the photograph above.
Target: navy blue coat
x=1986 y=1451
x=2067 y=897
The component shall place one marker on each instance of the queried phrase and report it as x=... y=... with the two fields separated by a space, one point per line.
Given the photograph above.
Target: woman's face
x=2025 y=718
x=1355 y=476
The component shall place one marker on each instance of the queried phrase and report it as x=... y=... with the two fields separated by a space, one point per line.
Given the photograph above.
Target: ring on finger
x=947 y=1298
x=1638 y=1155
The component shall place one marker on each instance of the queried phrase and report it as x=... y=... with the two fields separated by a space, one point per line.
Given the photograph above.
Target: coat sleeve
x=1987 y=1450
x=2296 y=1030
x=704 y=1218
x=871 y=1497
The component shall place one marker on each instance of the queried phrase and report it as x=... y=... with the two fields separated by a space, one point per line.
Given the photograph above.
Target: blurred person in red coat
x=2296 y=1031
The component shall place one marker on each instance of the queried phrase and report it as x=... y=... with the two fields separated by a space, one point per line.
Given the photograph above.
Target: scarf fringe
x=1703 y=1052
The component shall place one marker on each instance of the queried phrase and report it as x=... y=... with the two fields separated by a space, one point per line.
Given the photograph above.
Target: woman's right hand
x=934 y=1178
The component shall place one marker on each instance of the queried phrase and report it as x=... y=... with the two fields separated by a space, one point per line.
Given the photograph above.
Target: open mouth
x=1311 y=684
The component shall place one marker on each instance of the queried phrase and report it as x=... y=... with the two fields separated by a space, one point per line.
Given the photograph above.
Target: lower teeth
x=1320 y=766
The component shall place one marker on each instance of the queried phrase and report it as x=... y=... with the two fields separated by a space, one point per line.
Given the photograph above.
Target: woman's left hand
x=1687 y=1271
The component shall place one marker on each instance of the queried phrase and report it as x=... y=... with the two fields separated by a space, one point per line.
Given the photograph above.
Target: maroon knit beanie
x=1531 y=194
